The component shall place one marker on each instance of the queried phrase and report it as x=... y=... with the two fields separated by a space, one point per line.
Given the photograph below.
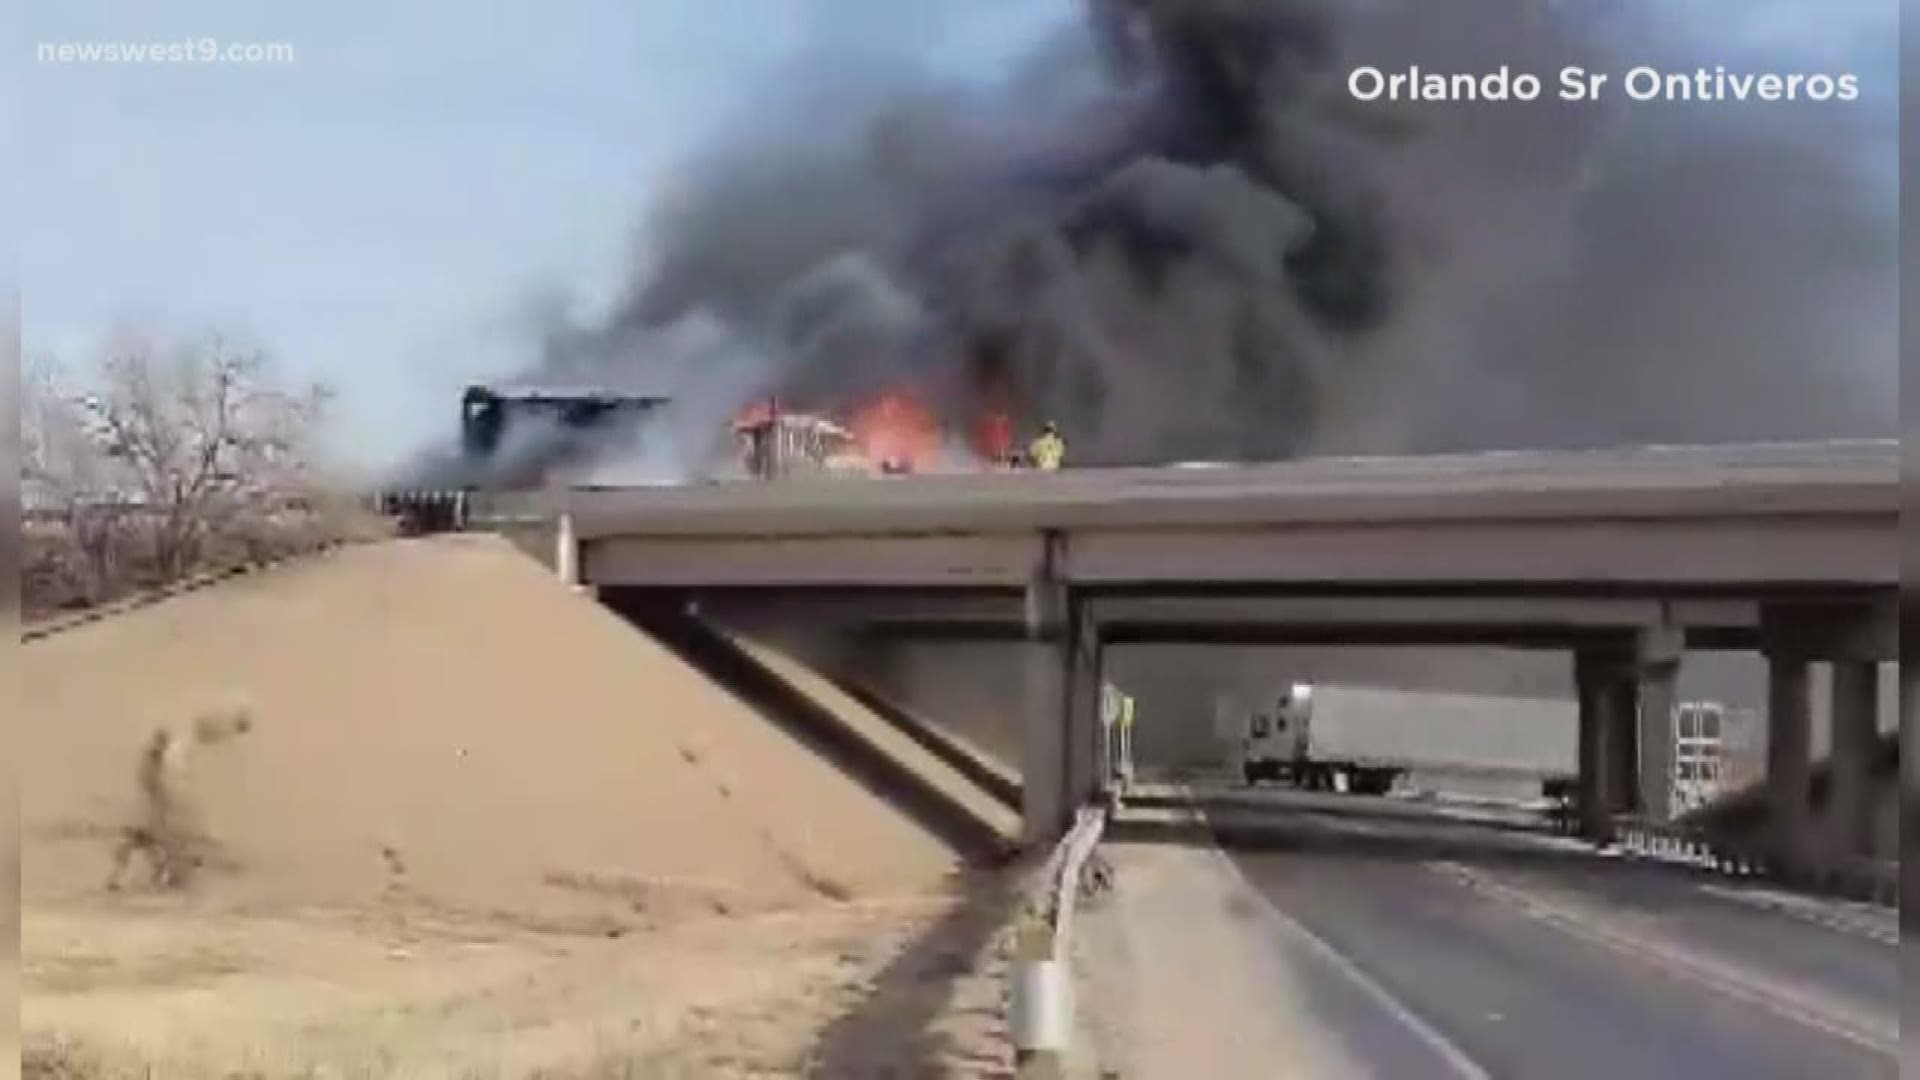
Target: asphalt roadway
x=1324 y=942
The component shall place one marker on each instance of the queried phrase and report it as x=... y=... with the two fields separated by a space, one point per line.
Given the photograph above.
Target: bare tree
x=194 y=441
x=66 y=487
x=10 y=415
x=204 y=438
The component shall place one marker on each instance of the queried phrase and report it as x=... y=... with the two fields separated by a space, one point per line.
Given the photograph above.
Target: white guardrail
x=1854 y=878
x=1040 y=1002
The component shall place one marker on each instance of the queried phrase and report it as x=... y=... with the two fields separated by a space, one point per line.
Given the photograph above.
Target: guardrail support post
x=566 y=555
x=1041 y=1005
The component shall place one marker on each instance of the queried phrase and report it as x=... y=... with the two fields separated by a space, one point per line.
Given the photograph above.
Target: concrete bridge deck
x=1778 y=516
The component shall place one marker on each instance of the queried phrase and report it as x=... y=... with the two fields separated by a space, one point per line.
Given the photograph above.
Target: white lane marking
x=1442 y=1047
x=1842 y=919
x=1674 y=961
x=1348 y=826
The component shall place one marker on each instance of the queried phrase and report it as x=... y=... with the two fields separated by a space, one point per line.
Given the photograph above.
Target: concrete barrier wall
x=971 y=688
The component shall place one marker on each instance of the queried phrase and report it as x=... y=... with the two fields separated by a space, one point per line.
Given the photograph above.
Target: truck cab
x=1275 y=744
x=1278 y=744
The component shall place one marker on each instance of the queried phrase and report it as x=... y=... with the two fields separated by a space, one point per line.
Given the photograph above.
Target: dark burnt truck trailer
x=570 y=421
x=512 y=439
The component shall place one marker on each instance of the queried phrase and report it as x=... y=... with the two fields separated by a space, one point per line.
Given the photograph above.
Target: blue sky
x=383 y=211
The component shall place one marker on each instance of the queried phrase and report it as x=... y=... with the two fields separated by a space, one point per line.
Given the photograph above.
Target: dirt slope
x=439 y=719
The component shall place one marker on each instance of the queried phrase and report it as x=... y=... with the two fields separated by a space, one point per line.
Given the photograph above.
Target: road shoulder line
x=1457 y=1060
x=1673 y=961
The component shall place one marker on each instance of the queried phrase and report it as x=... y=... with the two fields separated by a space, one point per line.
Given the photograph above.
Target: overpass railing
x=423 y=511
x=1040 y=999
x=1856 y=878
x=420 y=512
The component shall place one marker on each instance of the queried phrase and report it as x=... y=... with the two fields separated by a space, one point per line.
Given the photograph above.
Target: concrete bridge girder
x=1572 y=553
x=1629 y=653
x=1539 y=536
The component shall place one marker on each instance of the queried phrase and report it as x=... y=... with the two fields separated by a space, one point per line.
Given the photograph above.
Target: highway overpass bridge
x=1626 y=558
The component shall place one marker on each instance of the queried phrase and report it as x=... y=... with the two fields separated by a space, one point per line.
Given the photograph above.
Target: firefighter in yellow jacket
x=1049 y=450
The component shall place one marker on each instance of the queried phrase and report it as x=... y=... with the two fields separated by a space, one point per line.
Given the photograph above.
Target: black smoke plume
x=1177 y=233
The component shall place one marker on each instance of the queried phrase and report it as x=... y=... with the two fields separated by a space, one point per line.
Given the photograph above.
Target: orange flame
x=993 y=434
x=897 y=428
x=755 y=413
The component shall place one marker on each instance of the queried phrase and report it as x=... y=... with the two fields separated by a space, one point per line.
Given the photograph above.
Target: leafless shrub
x=171 y=459
x=169 y=833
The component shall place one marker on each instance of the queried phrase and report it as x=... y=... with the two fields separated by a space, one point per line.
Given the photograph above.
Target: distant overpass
x=1627 y=558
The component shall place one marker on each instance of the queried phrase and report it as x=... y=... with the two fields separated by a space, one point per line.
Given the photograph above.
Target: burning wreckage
x=1189 y=242
x=529 y=438
x=569 y=431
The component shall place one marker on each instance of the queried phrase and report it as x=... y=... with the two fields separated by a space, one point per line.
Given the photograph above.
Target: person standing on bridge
x=1049 y=450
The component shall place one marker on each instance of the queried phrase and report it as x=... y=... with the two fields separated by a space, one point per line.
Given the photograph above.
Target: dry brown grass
x=72 y=1059
x=149 y=991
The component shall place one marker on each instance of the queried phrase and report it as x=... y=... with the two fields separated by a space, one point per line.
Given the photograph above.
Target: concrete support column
x=1620 y=705
x=1591 y=674
x=1909 y=736
x=1856 y=722
x=1789 y=765
x=1909 y=820
x=1656 y=670
x=1909 y=727
x=1085 y=750
x=1045 y=662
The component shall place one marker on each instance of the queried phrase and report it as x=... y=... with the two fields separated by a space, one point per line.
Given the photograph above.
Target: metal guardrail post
x=1040 y=1000
x=1040 y=1004
x=566 y=559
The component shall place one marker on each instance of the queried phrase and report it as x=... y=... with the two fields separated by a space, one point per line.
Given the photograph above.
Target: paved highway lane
x=1415 y=949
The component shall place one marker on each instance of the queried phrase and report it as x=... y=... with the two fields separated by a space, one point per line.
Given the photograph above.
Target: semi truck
x=1363 y=740
x=777 y=445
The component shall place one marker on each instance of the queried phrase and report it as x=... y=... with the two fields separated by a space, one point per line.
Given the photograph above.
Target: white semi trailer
x=1363 y=739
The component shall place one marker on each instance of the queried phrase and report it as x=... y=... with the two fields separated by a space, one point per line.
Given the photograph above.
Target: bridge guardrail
x=1040 y=999
x=1856 y=878
x=421 y=511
